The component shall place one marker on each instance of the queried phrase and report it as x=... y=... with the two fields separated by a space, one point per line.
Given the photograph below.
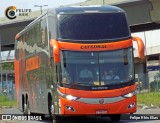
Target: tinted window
x=100 y=26
x=93 y=68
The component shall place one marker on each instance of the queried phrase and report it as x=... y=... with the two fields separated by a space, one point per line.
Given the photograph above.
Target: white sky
x=29 y=4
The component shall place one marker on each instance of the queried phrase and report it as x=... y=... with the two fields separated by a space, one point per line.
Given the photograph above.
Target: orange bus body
x=42 y=66
x=120 y=107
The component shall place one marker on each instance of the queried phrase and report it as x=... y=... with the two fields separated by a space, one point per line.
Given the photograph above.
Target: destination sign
x=95 y=46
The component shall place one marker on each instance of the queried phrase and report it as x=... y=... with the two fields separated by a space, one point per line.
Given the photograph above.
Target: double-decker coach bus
x=77 y=60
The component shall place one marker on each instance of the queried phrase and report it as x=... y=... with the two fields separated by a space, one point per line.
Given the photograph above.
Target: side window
x=17 y=55
x=51 y=31
x=26 y=37
x=52 y=27
x=24 y=42
x=44 y=35
x=34 y=34
x=38 y=34
x=56 y=73
x=20 y=48
x=23 y=50
x=29 y=38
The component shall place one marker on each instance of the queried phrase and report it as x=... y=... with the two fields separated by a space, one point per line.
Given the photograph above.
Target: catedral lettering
x=93 y=46
x=77 y=71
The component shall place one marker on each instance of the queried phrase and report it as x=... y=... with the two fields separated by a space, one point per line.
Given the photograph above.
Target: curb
x=1 y=111
x=3 y=107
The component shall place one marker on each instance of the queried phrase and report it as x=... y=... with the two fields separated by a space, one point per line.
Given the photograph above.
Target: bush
x=154 y=86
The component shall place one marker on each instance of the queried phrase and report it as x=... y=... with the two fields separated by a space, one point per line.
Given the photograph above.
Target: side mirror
x=140 y=47
x=56 y=50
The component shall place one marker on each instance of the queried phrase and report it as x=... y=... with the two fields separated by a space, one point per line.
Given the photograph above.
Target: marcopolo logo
x=12 y=11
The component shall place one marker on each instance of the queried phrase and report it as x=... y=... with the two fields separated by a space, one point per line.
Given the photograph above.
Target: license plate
x=101 y=112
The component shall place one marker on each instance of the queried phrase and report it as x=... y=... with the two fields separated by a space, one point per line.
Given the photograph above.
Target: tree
x=8 y=66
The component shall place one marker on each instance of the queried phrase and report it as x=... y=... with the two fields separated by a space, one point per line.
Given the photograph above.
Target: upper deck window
x=92 y=26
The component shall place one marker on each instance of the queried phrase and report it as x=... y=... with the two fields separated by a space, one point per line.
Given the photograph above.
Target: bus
x=52 y=51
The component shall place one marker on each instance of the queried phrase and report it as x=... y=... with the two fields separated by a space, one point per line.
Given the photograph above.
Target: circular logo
x=101 y=101
x=10 y=12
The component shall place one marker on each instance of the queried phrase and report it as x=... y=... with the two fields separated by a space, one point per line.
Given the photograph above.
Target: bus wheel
x=50 y=107
x=27 y=110
x=115 y=117
x=51 y=110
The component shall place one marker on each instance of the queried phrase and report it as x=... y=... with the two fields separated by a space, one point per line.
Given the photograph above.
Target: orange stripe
x=17 y=77
x=95 y=47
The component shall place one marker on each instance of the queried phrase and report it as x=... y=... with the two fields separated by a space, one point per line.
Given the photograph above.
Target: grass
x=4 y=101
x=149 y=98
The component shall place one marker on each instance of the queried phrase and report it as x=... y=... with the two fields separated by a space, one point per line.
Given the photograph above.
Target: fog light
x=70 y=108
x=131 y=105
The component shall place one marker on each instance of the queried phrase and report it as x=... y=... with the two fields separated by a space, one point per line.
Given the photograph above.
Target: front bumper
x=127 y=105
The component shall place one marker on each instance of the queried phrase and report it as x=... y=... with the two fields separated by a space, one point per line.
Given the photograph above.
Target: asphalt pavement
x=140 y=116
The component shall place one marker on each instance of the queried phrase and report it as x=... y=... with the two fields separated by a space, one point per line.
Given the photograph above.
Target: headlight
x=130 y=94
x=70 y=97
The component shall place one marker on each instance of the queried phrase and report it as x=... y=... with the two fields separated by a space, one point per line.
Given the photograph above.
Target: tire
x=54 y=117
x=27 y=110
x=50 y=108
x=115 y=117
x=52 y=114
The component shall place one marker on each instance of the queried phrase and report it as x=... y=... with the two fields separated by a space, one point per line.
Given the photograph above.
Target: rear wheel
x=115 y=117
x=27 y=111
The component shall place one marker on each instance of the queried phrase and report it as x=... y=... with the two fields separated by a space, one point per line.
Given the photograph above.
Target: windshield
x=97 y=68
x=92 y=26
